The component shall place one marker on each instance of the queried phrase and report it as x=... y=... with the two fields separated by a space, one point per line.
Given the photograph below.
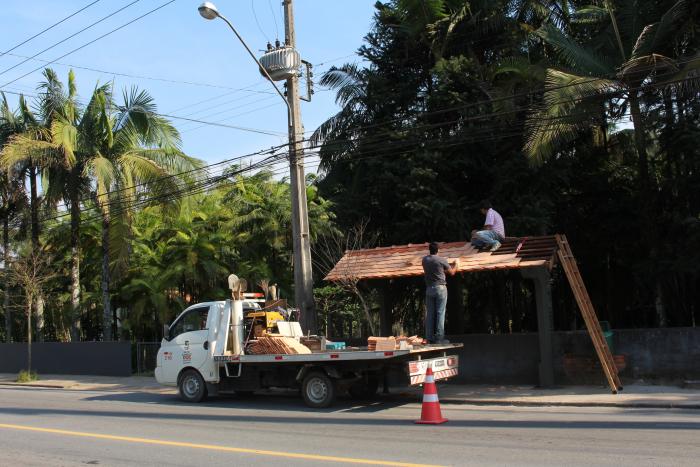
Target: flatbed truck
x=203 y=353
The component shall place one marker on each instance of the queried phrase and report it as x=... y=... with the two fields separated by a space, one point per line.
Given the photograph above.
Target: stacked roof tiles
x=405 y=261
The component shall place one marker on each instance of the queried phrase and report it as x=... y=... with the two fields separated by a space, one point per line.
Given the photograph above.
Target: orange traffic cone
x=430 y=413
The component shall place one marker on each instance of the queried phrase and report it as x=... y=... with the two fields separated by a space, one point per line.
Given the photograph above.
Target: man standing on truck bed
x=435 y=268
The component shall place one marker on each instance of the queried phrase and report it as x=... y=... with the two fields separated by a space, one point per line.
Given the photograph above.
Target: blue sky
x=175 y=43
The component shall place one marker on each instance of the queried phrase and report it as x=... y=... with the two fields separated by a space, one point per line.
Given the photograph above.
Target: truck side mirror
x=166 y=332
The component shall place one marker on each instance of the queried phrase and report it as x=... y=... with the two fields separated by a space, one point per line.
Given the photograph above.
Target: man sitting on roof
x=494 y=231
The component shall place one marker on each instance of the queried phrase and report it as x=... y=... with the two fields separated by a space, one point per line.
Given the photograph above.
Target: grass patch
x=25 y=376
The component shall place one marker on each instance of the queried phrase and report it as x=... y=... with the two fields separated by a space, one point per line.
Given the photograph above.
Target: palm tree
x=97 y=151
x=337 y=133
x=13 y=199
x=603 y=72
x=136 y=151
x=593 y=73
x=51 y=140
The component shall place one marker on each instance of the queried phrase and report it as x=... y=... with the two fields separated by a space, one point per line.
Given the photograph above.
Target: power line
x=252 y=7
x=49 y=28
x=169 y=80
x=69 y=37
x=444 y=110
x=233 y=127
x=240 y=101
x=271 y=150
x=531 y=94
x=92 y=41
x=219 y=96
x=370 y=151
x=178 y=117
x=235 y=116
x=274 y=18
x=373 y=152
x=150 y=78
x=272 y=160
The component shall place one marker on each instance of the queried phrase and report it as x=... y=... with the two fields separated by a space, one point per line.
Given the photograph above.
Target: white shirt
x=495 y=220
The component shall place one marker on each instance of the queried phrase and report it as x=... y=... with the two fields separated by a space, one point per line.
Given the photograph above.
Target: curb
x=666 y=405
x=34 y=385
x=451 y=401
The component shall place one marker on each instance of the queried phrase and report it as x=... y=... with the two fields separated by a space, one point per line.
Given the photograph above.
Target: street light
x=208 y=10
x=283 y=63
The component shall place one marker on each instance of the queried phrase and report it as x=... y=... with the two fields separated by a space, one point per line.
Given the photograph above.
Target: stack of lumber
x=381 y=343
x=392 y=343
x=276 y=344
x=314 y=343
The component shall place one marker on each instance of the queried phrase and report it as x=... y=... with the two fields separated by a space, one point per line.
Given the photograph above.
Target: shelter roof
x=405 y=260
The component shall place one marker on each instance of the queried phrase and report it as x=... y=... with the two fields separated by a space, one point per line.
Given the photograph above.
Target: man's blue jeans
x=486 y=239
x=435 y=302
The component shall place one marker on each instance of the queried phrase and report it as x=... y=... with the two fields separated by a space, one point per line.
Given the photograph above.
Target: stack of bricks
x=276 y=344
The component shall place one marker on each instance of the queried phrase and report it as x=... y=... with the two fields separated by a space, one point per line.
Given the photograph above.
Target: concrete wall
x=75 y=358
x=656 y=354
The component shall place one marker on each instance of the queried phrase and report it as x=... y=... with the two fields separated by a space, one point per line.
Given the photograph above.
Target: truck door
x=187 y=339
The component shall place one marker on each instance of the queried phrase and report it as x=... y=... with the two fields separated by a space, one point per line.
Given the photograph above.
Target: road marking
x=213 y=447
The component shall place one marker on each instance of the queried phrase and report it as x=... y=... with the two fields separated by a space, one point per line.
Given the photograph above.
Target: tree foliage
x=572 y=117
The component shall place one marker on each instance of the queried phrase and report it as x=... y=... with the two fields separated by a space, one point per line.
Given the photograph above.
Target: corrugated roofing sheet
x=405 y=260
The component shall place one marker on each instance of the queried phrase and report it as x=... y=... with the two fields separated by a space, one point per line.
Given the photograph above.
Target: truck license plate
x=443 y=368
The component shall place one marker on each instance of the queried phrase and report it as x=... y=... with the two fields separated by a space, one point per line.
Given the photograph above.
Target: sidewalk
x=88 y=383
x=633 y=395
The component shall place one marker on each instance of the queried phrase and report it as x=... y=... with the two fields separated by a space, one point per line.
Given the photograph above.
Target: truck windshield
x=194 y=320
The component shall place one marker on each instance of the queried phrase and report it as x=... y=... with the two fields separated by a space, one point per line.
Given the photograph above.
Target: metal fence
x=69 y=358
x=146 y=354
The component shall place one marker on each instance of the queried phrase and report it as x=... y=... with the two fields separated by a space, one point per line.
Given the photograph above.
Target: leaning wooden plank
x=568 y=262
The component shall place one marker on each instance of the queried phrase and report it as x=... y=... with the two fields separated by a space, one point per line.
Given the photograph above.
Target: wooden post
x=545 y=324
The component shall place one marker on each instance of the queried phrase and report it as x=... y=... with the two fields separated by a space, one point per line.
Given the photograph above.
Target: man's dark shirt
x=434 y=267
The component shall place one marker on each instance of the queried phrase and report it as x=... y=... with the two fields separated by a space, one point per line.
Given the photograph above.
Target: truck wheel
x=191 y=386
x=366 y=388
x=318 y=390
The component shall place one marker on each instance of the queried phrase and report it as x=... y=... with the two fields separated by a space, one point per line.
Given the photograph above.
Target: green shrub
x=26 y=376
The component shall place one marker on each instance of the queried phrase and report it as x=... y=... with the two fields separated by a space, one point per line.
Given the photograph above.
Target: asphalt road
x=62 y=427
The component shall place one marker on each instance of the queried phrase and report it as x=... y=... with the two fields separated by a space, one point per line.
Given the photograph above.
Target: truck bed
x=355 y=354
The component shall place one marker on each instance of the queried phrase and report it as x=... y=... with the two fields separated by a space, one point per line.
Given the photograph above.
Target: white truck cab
x=192 y=340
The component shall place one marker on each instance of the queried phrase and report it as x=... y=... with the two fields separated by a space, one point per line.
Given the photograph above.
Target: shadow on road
x=270 y=400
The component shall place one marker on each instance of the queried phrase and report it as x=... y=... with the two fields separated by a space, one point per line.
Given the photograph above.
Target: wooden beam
x=568 y=262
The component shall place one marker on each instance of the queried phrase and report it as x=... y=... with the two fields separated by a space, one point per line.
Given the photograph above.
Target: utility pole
x=303 y=274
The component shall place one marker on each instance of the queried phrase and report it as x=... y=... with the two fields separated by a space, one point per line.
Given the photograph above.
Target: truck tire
x=318 y=390
x=366 y=388
x=191 y=386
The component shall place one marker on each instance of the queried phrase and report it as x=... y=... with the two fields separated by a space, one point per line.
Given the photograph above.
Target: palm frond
x=657 y=36
x=64 y=136
x=21 y=147
x=575 y=56
x=348 y=80
x=590 y=14
x=522 y=67
x=686 y=79
x=104 y=173
x=563 y=113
